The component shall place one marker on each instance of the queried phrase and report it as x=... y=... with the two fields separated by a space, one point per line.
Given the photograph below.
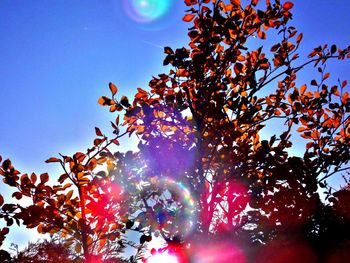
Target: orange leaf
x=345 y=97
x=326 y=76
x=236 y=2
x=105 y=101
x=113 y=88
x=299 y=38
x=79 y=156
x=262 y=35
x=303 y=89
x=188 y=17
x=182 y=72
x=53 y=160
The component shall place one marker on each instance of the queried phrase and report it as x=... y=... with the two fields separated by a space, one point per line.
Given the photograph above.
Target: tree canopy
x=206 y=177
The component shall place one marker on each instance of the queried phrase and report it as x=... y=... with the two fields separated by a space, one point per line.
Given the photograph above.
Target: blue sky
x=57 y=57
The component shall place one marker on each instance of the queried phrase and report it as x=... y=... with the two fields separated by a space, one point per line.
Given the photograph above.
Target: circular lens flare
x=146 y=11
x=162 y=258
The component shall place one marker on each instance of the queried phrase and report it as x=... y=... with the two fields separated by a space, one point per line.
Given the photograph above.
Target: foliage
x=85 y=208
x=204 y=170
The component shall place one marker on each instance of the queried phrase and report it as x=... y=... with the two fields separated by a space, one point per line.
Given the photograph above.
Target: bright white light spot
x=144 y=3
x=162 y=258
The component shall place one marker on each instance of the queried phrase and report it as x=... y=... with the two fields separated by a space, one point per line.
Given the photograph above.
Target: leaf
x=303 y=89
x=326 y=76
x=333 y=49
x=62 y=178
x=345 y=97
x=69 y=195
x=105 y=101
x=53 y=160
x=97 y=142
x=188 y=17
x=125 y=101
x=287 y=6
x=33 y=178
x=44 y=178
x=344 y=83
x=98 y=131
x=1 y=200
x=113 y=88
x=236 y=2
x=191 y=2
x=17 y=195
x=313 y=82
x=182 y=72
x=6 y=164
x=101 y=244
x=299 y=38
x=79 y=157
x=262 y=34
x=77 y=248
x=254 y=2
x=238 y=68
x=116 y=142
x=167 y=50
x=5 y=231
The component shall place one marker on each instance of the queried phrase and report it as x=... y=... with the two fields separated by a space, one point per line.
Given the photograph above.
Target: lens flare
x=162 y=258
x=184 y=207
x=146 y=11
x=223 y=252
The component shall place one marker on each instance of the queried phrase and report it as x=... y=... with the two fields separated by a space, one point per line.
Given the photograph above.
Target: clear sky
x=57 y=57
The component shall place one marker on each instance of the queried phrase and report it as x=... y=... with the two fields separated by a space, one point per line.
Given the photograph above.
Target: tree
x=203 y=170
x=200 y=125
x=86 y=207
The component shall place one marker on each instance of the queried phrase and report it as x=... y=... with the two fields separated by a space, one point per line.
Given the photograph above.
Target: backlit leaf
x=188 y=17
x=113 y=88
x=53 y=160
x=288 y=5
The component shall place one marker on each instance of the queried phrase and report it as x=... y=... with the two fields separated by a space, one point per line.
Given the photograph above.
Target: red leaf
x=97 y=142
x=44 y=178
x=79 y=156
x=5 y=231
x=116 y=142
x=98 y=131
x=191 y=2
x=1 y=200
x=33 y=178
x=17 y=195
x=238 y=67
x=168 y=50
x=287 y=6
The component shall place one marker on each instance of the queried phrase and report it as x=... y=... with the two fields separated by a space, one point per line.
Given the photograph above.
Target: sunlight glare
x=162 y=258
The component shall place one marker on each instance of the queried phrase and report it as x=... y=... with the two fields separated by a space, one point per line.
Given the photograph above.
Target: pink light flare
x=223 y=252
x=162 y=258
